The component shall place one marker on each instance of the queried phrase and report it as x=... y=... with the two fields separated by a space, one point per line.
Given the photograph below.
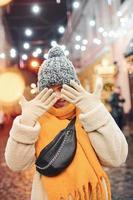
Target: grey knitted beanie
x=57 y=69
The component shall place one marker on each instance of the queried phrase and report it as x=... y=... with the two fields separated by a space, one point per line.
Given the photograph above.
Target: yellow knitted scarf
x=82 y=180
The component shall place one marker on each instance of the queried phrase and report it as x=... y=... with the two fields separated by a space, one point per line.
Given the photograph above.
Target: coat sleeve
x=20 y=148
x=106 y=138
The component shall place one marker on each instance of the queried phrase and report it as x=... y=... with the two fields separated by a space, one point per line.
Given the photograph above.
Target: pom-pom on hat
x=56 y=70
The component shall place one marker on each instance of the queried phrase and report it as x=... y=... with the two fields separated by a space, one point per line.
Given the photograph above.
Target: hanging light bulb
x=85 y=42
x=13 y=53
x=34 y=64
x=66 y=52
x=46 y=56
x=33 y=91
x=83 y=48
x=2 y=55
x=92 y=23
x=63 y=47
x=36 y=9
x=24 y=57
x=97 y=41
x=76 y=4
x=77 y=46
x=53 y=43
x=39 y=50
x=58 y=1
x=101 y=29
x=61 y=29
x=33 y=85
x=26 y=45
x=35 y=54
x=28 y=32
x=78 y=38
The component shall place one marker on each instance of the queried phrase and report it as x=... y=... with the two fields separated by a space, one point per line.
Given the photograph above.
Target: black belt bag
x=59 y=153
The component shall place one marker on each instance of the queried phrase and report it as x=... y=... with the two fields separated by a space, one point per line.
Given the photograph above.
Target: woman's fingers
x=49 y=104
x=53 y=101
x=73 y=101
x=50 y=98
x=70 y=89
x=98 y=88
x=46 y=95
x=76 y=86
x=41 y=94
x=66 y=98
x=68 y=94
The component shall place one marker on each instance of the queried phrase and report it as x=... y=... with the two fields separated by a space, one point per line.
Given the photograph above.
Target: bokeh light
x=11 y=87
x=34 y=64
x=4 y=2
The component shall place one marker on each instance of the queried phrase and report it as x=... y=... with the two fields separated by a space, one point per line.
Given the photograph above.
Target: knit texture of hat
x=56 y=70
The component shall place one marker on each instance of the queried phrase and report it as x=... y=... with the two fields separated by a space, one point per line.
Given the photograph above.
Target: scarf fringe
x=89 y=192
x=108 y=186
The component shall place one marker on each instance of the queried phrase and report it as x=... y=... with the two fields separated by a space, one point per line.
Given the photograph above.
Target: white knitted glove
x=33 y=109
x=84 y=100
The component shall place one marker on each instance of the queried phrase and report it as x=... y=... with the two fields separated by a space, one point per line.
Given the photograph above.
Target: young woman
x=99 y=140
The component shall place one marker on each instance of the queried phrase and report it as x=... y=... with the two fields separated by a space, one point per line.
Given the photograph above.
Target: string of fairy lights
x=28 y=32
x=36 y=53
x=80 y=42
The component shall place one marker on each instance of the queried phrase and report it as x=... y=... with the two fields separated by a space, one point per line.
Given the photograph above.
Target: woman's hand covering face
x=78 y=96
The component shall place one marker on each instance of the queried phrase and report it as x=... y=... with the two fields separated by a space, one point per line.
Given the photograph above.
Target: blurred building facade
x=97 y=37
